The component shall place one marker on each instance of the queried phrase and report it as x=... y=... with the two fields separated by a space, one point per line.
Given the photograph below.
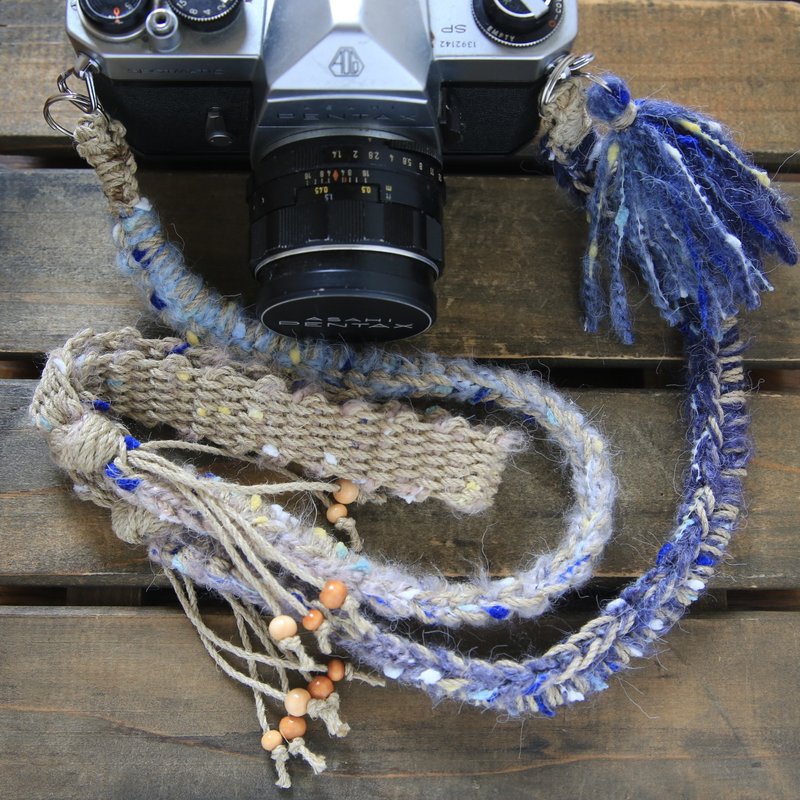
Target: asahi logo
x=346 y=63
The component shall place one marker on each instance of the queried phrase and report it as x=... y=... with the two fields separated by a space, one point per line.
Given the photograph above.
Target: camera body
x=346 y=111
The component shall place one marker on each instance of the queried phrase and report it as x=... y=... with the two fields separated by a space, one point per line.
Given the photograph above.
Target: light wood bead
x=348 y=492
x=333 y=594
x=270 y=740
x=321 y=687
x=292 y=727
x=296 y=702
x=335 y=513
x=282 y=627
x=313 y=619
x=336 y=669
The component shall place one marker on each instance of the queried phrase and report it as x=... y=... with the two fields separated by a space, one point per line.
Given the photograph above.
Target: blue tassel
x=673 y=195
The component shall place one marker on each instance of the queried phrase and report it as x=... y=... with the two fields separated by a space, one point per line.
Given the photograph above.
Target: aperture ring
x=349 y=152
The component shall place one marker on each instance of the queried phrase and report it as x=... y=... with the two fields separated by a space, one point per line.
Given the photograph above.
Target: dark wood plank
x=510 y=289
x=124 y=703
x=736 y=59
x=53 y=538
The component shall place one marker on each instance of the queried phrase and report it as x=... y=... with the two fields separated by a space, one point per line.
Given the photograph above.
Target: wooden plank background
x=100 y=700
x=510 y=289
x=54 y=538
x=132 y=687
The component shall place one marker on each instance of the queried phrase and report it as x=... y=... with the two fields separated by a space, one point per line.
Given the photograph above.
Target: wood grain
x=735 y=59
x=124 y=703
x=510 y=289
x=51 y=537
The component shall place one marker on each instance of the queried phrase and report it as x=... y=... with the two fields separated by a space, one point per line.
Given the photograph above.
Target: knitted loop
x=131 y=472
x=218 y=540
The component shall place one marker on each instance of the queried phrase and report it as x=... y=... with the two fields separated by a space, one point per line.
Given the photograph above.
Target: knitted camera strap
x=666 y=190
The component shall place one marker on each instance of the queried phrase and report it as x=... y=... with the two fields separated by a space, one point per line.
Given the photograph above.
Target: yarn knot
x=87 y=445
x=327 y=710
x=136 y=525
x=565 y=122
x=611 y=104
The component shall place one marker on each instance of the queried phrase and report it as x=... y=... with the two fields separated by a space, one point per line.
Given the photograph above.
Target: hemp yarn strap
x=203 y=394
x=666 y=190
x=224 y=537
x=386 y=449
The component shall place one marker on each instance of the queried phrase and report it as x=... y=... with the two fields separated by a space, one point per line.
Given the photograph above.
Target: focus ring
x=349 y=222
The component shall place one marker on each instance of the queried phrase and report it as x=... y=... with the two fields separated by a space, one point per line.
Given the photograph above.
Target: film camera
x=346 y=110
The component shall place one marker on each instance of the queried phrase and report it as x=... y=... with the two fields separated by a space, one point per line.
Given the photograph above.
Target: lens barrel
x=346 y=238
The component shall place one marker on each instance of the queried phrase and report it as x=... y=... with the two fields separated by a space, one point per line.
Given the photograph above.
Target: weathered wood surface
x=51 y=537
x=124 y=703
x=510 y=289
x=718 y=55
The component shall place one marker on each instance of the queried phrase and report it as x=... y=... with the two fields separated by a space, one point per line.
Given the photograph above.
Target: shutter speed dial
x=518 y=23
x=125 y=19
x=206 y=15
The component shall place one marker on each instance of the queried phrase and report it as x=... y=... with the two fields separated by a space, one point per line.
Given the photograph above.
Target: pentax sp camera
x=346 y=111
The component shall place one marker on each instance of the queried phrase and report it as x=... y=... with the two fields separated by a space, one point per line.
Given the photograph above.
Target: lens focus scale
x=346 y=238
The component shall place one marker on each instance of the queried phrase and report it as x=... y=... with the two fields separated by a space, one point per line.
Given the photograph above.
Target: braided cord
x=580 y=664
x=215 y=537
x=86 y=441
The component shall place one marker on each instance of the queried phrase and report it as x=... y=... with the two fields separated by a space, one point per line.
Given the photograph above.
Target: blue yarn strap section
x=698 y=275
x=674 y=198
x=629 y=626
x=647 y=608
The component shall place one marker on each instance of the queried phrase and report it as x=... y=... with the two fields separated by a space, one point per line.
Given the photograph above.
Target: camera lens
x=346 y=238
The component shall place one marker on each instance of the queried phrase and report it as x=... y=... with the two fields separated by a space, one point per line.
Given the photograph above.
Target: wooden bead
x=335 y=513
x=313 y=619
x=292 y=727
x=282 y=627
x=336 y=669
x=333 y=594
x=321 y=687
x=296 y=702
x=348 y=492
x=270 y=740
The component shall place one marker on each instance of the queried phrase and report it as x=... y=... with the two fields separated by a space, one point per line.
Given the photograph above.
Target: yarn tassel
x=673 y=195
